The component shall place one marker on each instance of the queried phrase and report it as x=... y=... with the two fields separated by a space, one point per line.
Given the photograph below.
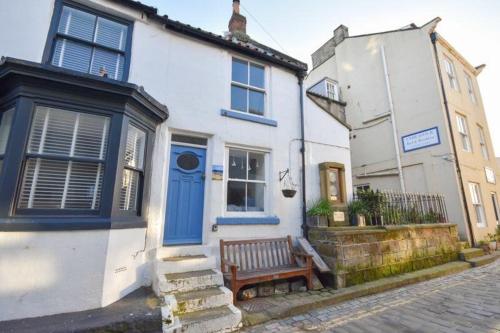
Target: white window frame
x=470 y=88
x=266 y=182
x=332 y=90
x=249 y=87
x=477 y=203
x=451 y=73
x=463 y=130
x=482 y=143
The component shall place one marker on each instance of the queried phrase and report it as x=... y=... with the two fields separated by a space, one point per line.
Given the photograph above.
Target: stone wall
x=361 y=254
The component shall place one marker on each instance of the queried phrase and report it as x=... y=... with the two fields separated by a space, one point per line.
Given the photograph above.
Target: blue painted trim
x=248 y=117
x=273 y=220
x=425 y=130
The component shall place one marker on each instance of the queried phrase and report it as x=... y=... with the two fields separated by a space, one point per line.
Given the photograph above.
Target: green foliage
x=356 y=207
x=321 y=207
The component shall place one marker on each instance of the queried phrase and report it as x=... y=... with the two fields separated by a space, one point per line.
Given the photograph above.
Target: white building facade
x=178 y=142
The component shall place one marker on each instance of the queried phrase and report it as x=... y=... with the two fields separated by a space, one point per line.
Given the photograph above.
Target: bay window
x=246 y=183
x=248 y=87
x=74 y=153
x=90 y=42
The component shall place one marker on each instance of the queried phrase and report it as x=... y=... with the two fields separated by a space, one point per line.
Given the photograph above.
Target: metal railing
x=398 y=208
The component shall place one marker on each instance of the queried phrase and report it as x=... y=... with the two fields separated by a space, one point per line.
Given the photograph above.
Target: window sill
x=69 y=224
x=248 y=117
x=270 y=220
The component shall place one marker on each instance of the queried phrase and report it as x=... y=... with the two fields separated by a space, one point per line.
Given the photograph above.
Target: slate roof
x=246 y=46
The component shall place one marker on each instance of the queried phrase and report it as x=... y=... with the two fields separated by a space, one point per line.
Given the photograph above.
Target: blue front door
x=186 y=187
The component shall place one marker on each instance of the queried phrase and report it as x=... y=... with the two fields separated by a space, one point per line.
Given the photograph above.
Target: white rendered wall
x=45 y=273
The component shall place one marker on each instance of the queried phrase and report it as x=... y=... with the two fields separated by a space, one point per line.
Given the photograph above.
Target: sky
x=299 y=27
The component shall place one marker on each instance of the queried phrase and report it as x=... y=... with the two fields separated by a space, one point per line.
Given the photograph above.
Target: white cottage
x=127 y=137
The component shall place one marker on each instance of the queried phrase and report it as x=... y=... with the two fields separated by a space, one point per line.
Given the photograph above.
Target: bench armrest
x=229 y=263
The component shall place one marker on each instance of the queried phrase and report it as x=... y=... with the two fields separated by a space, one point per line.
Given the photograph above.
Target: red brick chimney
x=238 y=22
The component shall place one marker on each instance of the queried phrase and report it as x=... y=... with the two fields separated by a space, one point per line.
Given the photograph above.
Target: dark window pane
x=237 y=164
x=5 y=123
x=257 y=76
x=238 y=98
x=189 y=139
x=72 y=55
x=77 y=23
x=235 y=196
x=111 y=34
x=256 y=166
x=240 y=71
x=256 y=105
x=255 y=197
x=188 y=161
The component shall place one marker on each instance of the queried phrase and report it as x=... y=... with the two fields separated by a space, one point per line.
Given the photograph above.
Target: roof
x=248 y=47
x=11 y=67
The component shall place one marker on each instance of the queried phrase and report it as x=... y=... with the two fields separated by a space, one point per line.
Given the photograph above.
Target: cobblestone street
x=465 y=302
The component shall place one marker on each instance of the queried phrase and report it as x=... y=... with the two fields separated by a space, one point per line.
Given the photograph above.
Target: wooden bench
x=245 y=262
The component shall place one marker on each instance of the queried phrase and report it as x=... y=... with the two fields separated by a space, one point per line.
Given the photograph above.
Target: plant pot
x=486 y=248
x=317 y=221
x=289 y=193
x=493 y=245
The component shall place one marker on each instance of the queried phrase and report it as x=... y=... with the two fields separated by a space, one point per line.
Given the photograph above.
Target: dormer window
x=248 y=87
x=90 y=42
x=327 y=88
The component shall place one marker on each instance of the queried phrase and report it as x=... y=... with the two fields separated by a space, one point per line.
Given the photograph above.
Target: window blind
x=65 y=162
x=5 y=124
x=91 y=44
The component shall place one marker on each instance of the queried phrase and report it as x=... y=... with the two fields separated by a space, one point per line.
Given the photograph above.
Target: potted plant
x=356 y=210
x=485 y=246
x=492 y=241
x=319 y=213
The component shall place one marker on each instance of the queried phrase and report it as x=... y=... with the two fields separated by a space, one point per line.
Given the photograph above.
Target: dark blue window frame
x=54 y=34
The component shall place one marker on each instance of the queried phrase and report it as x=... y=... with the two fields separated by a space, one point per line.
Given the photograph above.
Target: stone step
x=181 y=264
x=192 y=301
x=464 y=245
x=483 y=260
x=182 y=251
x=221 y=319
x=174 y=283
x=467 y=254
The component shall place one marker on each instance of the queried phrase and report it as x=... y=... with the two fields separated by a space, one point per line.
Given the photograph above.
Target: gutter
x=305 y=228
x=434 y=37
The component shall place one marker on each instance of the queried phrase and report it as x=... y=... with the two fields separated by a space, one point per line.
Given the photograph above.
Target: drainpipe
x=393 y=119
x=301 y=76
x=452 y=139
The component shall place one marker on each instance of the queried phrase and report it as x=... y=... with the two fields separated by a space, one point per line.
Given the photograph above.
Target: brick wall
x=363 y=254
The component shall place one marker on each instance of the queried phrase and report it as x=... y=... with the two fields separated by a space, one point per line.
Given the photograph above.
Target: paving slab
x=468 y=301
x=137 y=312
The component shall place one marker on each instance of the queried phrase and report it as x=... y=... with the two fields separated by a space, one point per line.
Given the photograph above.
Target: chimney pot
x=238 y=22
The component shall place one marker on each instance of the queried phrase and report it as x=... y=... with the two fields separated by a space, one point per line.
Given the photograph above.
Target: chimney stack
x=238 y=22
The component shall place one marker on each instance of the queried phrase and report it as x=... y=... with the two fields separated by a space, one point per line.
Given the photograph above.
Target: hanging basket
x=289 y=193
x=288 y=186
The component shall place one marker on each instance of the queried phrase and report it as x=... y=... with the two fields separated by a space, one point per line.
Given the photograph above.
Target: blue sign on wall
x=422 y=139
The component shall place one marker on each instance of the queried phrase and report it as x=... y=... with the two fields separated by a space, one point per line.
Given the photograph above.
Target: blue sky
x=300 y=27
